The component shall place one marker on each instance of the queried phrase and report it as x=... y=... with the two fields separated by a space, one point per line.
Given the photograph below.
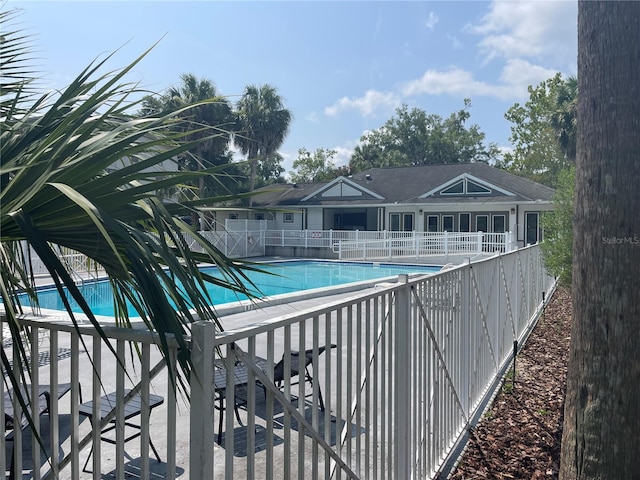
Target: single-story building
x=464 y=197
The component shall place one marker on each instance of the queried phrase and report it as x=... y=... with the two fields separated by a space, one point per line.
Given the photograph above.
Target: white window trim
x=504 y=222
x=437 y=217
x=482 y=216
x=460 y=215
x=453 y=222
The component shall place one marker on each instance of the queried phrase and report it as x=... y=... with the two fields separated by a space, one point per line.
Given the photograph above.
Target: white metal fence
x=420 y=244
x=405 y=368
x=75 y=366
x=411 y=364
x=357 y=245
x=348 y=245
x=77 y=264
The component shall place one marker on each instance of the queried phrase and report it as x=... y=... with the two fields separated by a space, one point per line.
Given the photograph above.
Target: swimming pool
x=290 y=277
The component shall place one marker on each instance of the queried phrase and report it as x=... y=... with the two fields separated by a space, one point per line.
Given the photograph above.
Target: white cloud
x=367 y=105
x=516 y=76
x=522 y=74
x=287 y=161
x=529 y=29
x=343 y=153
x=455 y=82
x=313 y=117
x=521 y=35
x=431 y=21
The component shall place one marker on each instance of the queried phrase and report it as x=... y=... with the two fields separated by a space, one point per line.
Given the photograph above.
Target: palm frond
x=78 y=171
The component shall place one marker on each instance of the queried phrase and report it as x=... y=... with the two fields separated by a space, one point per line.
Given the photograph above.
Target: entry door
x=531 y=228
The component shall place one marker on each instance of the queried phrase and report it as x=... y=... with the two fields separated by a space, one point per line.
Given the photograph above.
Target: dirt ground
x=519 y=436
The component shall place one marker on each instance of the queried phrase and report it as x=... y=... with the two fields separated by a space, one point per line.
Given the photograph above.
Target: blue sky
x=342 y=67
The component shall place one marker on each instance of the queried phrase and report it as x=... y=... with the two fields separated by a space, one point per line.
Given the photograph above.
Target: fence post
x=446 y=243
x=465 y=335
x=201 y=407
x=306 y=238
x=402 y=391
x=479 y=249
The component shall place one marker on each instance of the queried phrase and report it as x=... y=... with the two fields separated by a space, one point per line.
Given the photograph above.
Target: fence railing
x=79 y=266
x=404 y=370
x=76 y=391
x=420 y=244
x=398 y=372
x=347 y=244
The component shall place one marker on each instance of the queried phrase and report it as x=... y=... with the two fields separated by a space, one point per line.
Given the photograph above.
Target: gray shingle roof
x=408 y=184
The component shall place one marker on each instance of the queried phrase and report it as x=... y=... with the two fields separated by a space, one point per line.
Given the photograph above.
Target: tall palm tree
x=565 y=117
x=210 y=122
x=263 y=123
x=79 y=172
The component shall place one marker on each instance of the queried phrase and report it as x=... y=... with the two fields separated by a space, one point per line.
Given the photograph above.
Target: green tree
x=270 y=170
x=543 y=132
x=314 y=167
x=557 y=248
x=262 y=125
x=601 y=431
x=544 y=135
x=564 y=118
x=413 y=137
x=211 y=122
x=79 y=172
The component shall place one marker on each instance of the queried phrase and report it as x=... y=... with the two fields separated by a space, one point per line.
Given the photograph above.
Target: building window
x=394 y=222
x=531 y=228
x=259 y=216
x=498 y=224
x=401 y=222
x=447 y=223
x=455 y=189
x=482 y=223
x=464 y=222
x=407 y=222
x=287 y=217
x=465 y=187
x=233 y=216
x=432 y=223
x=475 y=188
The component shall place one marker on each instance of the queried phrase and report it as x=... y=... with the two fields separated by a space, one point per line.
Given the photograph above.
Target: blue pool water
x=291 y=277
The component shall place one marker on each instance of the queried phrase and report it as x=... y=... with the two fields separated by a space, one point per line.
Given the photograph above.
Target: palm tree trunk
x=602 y=425
x=252 y=178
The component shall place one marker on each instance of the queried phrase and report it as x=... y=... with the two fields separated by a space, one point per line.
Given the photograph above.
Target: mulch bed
x=520 y=434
